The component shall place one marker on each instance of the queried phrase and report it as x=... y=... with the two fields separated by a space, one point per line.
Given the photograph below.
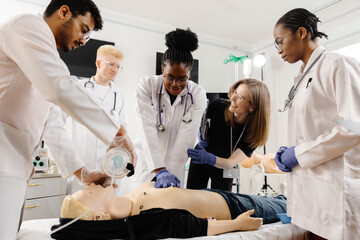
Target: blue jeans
x=265 y=207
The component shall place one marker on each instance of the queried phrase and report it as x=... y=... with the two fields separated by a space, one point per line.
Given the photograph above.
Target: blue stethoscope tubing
x=91 y=85
x=160 y=126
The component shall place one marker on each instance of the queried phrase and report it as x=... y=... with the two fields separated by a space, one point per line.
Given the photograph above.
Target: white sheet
x=40 y=230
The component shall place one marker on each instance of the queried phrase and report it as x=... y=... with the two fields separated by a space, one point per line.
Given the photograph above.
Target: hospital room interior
x=235 y=42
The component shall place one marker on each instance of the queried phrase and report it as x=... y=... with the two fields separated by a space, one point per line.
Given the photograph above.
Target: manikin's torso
x=202 y=204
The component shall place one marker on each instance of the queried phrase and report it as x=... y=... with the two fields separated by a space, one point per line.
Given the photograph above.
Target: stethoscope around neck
x=294 y=88
x=160 y=126
x=90 y=84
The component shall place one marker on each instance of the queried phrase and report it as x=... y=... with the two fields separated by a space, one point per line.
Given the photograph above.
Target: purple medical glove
x=285 y=159
x=200 y=156
x=203 y=143
x=165 y=179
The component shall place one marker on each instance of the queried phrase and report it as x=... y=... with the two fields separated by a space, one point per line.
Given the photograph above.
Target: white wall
x=140 y=44
x=139 y=40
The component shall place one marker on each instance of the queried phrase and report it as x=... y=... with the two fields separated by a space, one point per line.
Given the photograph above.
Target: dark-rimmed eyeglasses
x=278 y=44
x=85 y=30
x=179 y=80
x=239 y=97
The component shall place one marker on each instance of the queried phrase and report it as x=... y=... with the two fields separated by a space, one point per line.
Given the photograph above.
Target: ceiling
x=249 y=23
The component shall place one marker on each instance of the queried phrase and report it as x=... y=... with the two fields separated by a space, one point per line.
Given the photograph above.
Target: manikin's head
x=72 y=22
x=108 y=59
x=110 y=208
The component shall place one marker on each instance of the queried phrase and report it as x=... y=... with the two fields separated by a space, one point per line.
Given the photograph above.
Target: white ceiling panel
x=248 y=22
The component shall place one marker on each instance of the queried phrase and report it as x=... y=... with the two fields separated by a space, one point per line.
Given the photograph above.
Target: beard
x=65 y=35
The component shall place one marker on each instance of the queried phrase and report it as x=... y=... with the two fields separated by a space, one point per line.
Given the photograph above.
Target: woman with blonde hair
x=236 y=128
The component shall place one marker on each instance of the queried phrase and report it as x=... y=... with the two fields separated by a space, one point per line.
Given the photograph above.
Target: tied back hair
x=300 y=17
x=180 y=44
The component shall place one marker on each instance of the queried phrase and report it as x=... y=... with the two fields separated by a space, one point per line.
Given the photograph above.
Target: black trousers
x=199 y=175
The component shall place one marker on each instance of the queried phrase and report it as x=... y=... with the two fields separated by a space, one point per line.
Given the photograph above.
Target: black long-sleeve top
x=150 y=224
x=219 y=132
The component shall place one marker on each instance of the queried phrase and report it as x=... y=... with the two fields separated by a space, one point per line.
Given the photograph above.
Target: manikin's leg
x=265 y=207
x=12 y=198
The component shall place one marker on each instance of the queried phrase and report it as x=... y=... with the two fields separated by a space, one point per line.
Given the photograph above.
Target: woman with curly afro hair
x=170 y=107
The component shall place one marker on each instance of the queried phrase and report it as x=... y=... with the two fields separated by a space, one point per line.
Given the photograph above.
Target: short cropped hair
x=105 y=50
x=77 y=7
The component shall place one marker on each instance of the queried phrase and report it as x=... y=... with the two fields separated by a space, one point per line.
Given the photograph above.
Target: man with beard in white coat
x=32 y=76
x=322 y=157
x=102 y=88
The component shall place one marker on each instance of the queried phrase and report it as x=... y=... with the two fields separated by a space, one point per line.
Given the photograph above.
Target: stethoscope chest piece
x=113 y=112
x=161 y=128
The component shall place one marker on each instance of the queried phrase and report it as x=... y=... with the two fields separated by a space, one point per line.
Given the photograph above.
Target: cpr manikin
x=203 y=204
x=155 y=223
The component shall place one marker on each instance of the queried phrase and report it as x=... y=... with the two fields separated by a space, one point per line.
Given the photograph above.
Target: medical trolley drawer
x=45 y=187
x=44 y=196
x=39 y=208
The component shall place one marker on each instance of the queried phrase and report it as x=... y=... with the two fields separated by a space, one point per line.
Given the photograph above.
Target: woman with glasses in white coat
x=322 y=156
x=170 y=107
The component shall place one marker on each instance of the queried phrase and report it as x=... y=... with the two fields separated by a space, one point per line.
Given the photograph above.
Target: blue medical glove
x=165 y=179
x=203 y=143
x=200 y=156
x=285 y=159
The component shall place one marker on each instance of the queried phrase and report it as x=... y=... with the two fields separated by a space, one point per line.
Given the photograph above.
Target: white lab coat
x=167 y=149
x=31 y=76
x=89 y=147
x=324 y=189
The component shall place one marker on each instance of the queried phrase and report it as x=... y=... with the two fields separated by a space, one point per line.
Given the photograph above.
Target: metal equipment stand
x=264 y=190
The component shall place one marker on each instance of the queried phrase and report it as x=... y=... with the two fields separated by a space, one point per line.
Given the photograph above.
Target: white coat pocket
x=15 y=152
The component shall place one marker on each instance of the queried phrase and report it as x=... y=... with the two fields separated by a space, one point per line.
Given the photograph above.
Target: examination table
x=40 y=230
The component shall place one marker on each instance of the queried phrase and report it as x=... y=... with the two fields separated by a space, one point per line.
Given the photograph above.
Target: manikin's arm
x=242 y=223
x=237 y=157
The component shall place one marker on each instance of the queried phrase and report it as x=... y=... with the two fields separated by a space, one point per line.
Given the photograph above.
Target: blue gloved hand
x=203 y=143
x=200 y=156
x=165 y=179
x=285 y=159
